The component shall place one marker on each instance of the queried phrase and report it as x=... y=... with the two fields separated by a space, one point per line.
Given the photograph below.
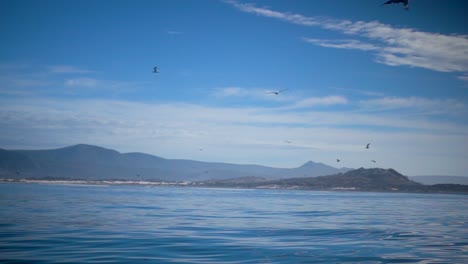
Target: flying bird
x=155 y=70
x=337 y=160
x=404 y=2
x=276 y=92
x=367 y=146
x=287 y=141
x=374 y=161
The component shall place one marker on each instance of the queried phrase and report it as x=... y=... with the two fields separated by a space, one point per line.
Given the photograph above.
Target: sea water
x=50 y=223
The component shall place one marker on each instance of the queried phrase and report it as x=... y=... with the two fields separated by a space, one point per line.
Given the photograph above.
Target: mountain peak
x=311 y=164
x=87 y=147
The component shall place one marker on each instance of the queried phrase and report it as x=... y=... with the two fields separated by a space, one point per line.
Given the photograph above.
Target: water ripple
x=131 y=224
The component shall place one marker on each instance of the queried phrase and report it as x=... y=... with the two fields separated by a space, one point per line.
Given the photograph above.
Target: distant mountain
x=375 y=179
x=96 y=163
x=429 y=180
x=362 y=179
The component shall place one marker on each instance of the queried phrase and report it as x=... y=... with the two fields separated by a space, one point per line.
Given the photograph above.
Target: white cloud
x=236 y=134
x=240 y=135
x=292 y=18
x=320 y=101
x=428 y=106
x=342 y=44
x=65 y=69
x=236 y=92
x=397 y=46
x=82 y=82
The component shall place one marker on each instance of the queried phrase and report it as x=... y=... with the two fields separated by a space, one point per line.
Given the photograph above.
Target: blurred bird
x=155 y=70
x=374 y=161
x=367 y=146
x=337 y=160
x=404 y=2
x=276 y=92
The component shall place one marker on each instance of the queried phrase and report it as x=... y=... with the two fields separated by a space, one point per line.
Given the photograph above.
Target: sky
x=356 y=72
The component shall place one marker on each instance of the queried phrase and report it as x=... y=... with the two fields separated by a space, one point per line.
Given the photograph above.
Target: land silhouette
x=94 y=164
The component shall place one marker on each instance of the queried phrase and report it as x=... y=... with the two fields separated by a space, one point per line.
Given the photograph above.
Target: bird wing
x=282 y=90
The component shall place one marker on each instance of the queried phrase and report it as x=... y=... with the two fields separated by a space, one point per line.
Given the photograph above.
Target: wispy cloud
x=65 y=69
x=82 y=82
x=342 y=44
x=420 y=104
x=320 y=101
x=235 y=91
x=288 y=17
x=173 y=32
x=177 y=130
x=392 y=46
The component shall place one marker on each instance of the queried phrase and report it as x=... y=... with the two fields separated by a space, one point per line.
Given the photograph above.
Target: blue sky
x=356 y=72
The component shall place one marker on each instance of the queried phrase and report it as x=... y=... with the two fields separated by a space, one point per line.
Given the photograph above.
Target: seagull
x=155 y=70
x=337 y=160
x=374 y=161
x=367 y=146
x=276 y=92
x=404 y=2
x=287 y=141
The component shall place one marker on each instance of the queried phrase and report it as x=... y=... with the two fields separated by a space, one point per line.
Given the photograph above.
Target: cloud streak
x=392 y=46
x=66 y=69
x=342 y=44
x=418 y=104
x=82 y=82
x=176 y=130
x=320 y=101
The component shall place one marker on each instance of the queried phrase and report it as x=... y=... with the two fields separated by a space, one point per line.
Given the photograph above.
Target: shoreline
x=203 y=185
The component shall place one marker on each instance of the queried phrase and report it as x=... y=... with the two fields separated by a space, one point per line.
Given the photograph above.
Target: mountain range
x=97 y=164
x=90 y=162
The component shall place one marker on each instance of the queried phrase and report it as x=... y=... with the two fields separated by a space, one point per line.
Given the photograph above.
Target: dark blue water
x=42 y=223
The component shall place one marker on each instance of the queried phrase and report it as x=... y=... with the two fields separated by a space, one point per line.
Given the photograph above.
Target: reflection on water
x=128 y=224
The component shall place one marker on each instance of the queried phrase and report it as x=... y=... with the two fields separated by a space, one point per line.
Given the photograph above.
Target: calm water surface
x=41 y=223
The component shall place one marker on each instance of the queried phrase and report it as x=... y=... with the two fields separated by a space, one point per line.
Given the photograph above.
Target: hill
x=90 y=162
x=375 y=179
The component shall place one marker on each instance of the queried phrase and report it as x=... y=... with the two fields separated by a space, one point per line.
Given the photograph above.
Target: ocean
x=59 y=223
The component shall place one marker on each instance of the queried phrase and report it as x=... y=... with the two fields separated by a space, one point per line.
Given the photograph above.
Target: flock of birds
x=405 y=5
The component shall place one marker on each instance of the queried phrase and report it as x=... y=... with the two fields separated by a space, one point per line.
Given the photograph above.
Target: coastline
x=426 y=190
